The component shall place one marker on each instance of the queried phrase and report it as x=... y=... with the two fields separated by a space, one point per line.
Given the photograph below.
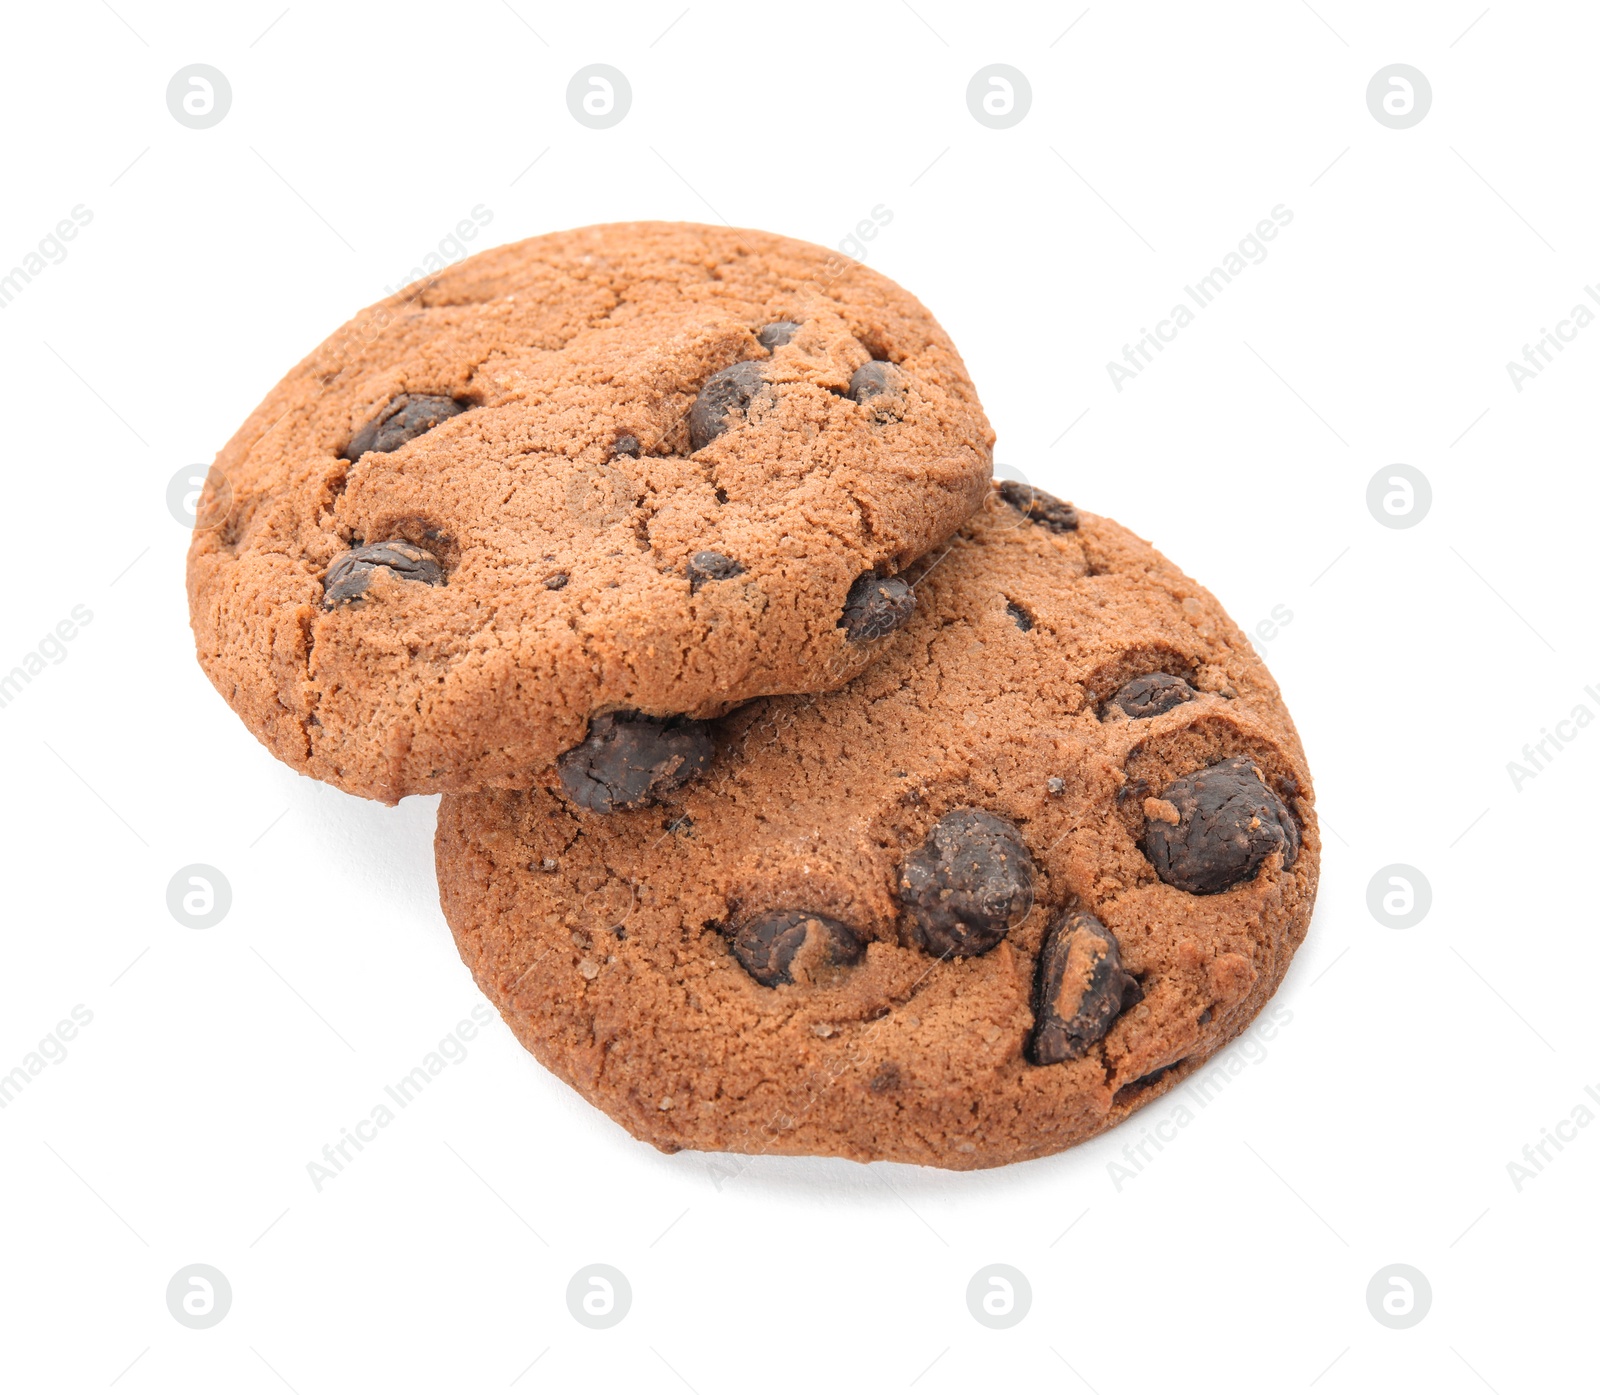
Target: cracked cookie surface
x=623 y=468
x=915 y=919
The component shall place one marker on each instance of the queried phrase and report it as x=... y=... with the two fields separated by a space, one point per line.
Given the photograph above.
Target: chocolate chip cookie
x=1019 y=878
x=641 y=472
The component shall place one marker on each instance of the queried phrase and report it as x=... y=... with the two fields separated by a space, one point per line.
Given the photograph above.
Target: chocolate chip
x=887 y=1078
x=405 y=418
x=1228 y=824
x=1024 y=621
x=777 y=334
x=555 y=581
x=1137 y=1089
x=1044 y=509
x=627 y=759
x=1079 y=989
x=968 y=883
x=875 y=379
x=350 y=573
x=1133 y=789
x=726 y=392
x=625 y=445
x=1056 y=785
x=1152 y=695
x=711 y=566
x=772 y=946
x=876 y=606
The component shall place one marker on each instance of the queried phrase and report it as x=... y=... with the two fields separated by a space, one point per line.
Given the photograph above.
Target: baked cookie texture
x=631 y=468
x=931 y=917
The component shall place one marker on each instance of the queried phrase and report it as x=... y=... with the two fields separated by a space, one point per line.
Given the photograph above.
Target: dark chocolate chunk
x=555 y=581
x=1024 y=621
x=1044 y=509
x=887 y=1078
x=876 y=606
x=770 y=945
x=1228 y=824
x=969 y=882
x=625 y=445
x=627 y=759
x=350 y=573
x=404 y=419
x=875 y=379
x=1152 y=695
x=711 y=566
x=777 y=334
x=1079 y=989
x=1135 y=1090
x=727 y=392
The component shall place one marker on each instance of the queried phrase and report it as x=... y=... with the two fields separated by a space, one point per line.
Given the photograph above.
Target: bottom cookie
x=1052 y=852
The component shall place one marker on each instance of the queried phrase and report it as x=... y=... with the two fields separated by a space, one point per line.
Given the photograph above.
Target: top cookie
x=651 y=468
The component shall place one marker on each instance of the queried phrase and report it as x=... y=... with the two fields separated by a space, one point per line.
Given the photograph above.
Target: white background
x=1378 y=1124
